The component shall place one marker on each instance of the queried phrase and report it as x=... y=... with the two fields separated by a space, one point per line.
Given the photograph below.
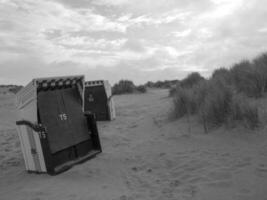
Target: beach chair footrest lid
x=68 y=165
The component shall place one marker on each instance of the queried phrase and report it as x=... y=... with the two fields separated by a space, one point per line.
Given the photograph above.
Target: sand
x=145 y=156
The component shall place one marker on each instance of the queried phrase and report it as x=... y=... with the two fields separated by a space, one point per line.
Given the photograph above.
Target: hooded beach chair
x=54 y=131
x=98 y=99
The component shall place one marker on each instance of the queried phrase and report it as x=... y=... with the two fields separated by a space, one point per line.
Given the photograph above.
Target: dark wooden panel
x=52 y=114
x=84 y=147
x=76 y=118
x=64 y=156
x=95 y=100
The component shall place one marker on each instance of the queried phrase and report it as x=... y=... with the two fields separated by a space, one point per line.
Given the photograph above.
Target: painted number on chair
x=63 y=116
x=42 y=135
x=91 y=98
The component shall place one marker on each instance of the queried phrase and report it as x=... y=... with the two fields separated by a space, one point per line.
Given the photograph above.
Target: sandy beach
x=146 y=155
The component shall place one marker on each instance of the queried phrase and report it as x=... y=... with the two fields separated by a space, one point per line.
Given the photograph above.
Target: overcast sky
x=139 y=40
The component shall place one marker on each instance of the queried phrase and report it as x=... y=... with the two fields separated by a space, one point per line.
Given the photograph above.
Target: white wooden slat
x=27 y=105
x=27 y=148
x=23 y=149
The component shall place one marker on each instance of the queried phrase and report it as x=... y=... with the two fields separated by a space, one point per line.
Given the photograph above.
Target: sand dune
x=145 y=156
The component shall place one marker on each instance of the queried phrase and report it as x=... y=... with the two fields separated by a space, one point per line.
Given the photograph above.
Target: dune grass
x=224 y=98
x=127 y=87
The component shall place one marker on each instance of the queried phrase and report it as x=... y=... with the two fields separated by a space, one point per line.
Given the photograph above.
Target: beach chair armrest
x=34 y=126
x=92 y=128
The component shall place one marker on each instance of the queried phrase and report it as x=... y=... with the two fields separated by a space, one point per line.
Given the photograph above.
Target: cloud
x=45 y=29
x=141 y=7
x=165 y=18
x=134 y=45
x=181 y=34
x=137 y=39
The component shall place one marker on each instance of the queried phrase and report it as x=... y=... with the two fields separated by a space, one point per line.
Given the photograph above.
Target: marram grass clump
x=127 y=87
x=225 y=98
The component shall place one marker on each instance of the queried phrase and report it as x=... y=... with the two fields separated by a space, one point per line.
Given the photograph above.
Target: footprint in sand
x=263 y=151
x=167 y=192
x=244 y=194
x=261 y=170
x=135 y=169
x=123 y=197
x=189 y=191
x=162 y=154
x=243 y=162
x=104 y=187
x=220 y=184
x=220 y=179
x=244 y=191
x=72 y=196
x=133 y=126
x=138 y=168
x=219 y=175
x=197 y=179
x=141 y=168
x=175 y=183
x=262 y=167
x=13 y=162
x=38 y=195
